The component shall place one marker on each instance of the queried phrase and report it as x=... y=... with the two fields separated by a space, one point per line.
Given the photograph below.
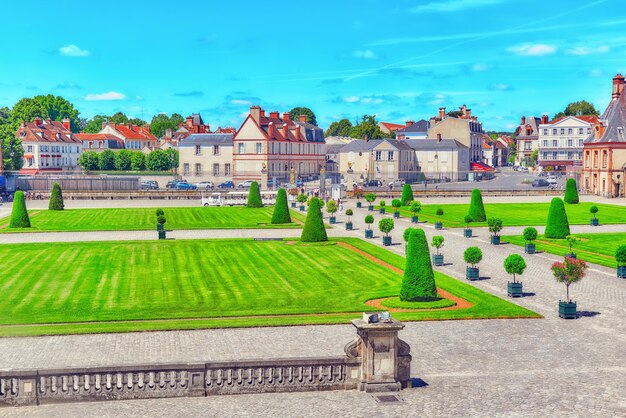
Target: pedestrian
x=341 y=208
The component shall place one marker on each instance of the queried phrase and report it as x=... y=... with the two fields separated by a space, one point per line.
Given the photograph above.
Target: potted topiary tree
x=160 y=222
x=370 y=197
x=568 y=272
x=571 y=243
x=369 y=232
x=594 y=221
x=293 y=192
x=472 y=256
x=467 y=232
x=437 y=243
x=358 y=194
x=439 y=224
x=331 y=208
x=415 y=208
x=386 y=226
x=495 y=226
x=529 y=234
x=620 y=258
x=381 y=205
x=159 y=212
x=396 y=203
x=302 y=200
x=514 y=264
x=349 y=214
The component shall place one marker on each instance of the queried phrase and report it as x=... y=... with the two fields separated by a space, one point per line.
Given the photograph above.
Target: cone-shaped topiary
x=571 y=192
x=477 y=209
x=314 y=230
x=19 y=214
x=281 y=209
x=56 y=198
x=557 y=225
x=407 y=194
x=418 y=282
x=254 y=196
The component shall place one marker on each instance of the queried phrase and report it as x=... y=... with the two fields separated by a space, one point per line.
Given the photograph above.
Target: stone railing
x=376 y=361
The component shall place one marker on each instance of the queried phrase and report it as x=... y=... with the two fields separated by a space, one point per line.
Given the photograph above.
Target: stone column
x=385 y=358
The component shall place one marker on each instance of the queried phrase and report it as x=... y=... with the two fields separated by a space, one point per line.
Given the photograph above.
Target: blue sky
x=399 y=60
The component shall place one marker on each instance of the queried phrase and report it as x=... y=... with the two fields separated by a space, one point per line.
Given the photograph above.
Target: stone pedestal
x=385 y=358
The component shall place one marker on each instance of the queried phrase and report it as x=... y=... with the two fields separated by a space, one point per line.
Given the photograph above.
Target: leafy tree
x=137 y=121
x=106 y=160
x=578 y=108
x=369 y=220
x=620 y=255
x=386 y=225
x=281 y=208
x=571 y=242
x=119 y=118
x=495 y=226
x=514 y=264
x=437 y=242
x=415 y=207
x=89 y=160
x=12 y=151
x=19 y=213
x=407 y=194
x=477 y=208
x=254 y=196
x=123 y=160
x=158 y=160
x=396 y=204
x=593 y=210
x=159 y=211
x=407 y=233
x=571 y=191
x=368 y=127
x=173 y=155
x=473 y=256
x=46 y=107
x=137 y=161
x=302 y=198
x=94 y=125
x=340 y=128
x=370 y=197
x=161 y=122
x=314 y=230
x=331 y=207
x=529 y=234
x=418 y=283
x=568 y=272
x=56 y=198
x=161 y=219
x=534 y=156
x=557 y=225
x=310 y=116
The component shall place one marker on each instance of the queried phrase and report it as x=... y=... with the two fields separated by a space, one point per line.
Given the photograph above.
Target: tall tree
x=119 y=118
x=160 y=123
x=94 y=125
x=368 y=127
x=310 y=116
x=579 y=108
x=12 y=151
x=340 y=128
x=158 y=160
x=47 y=107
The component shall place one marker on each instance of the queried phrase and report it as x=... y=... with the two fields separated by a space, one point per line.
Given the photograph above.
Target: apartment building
x=561 y=141
x=206 y=157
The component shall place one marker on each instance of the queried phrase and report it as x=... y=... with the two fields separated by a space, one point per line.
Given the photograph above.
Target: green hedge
x=571 y=192
x=56 y=198
x=314 y=230
x=418 y=283
x=281 y=209
x=19 y=214
x=407 y=194
x=477 y=209
x=557 y=225
x=254 y=196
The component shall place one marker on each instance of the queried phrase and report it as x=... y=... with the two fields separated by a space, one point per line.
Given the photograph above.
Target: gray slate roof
x=312 y=132
x=615 y=119
x=434 y=145
x=207 y=140
x=360 y=145
x=419 y=126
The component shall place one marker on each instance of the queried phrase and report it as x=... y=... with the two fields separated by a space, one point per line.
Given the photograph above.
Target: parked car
x=183 y=185
x=245 y=184
x=149 y=185
x=228 y=184
x=540 y=183
x=172 y=184
x=551 y=180
x=374 y=183
x=397 y=183
x=206 y=185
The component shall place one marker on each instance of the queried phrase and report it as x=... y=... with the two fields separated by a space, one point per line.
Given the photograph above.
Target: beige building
x=447 y=159
x=464 y=128
x=528 y=138
x=206 y=157
x=386 y=160
x=561 y=141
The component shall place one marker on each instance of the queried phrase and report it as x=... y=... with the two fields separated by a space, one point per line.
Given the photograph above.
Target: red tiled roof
x=135 y=132
x=392 y=126
x=47 y=131
x=94 y=137
x=584 y=118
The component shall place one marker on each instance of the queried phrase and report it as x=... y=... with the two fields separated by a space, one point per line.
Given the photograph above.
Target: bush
x=314 y=230
x=472 y=256
x=439 y=212
x=418 y=283
x=302 y=198
x=281 y=209
x=514 y=264
x=437 y=242
x=254 y=196
x=106 y=160
x=477 y=209
x=349 y=213
x=159 y=212
x=593 y=210
x=370 y=197
x=56 y=198
x=571 y=192
x=557 y=225
x=161 y=219
x=468 y=220
x=407 y=194
x=495 y=226
x=386 y=225
x=415 y=207
x=382 y=203
x=406 y=233
x=396 y=203
x=19 y=214
x=620 y=255
x=529 y=234
x=571 y=242
x=369 y=220
x=331 y=207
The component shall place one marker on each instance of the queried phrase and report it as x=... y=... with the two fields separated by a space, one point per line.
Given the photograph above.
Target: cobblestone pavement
x=485 y=368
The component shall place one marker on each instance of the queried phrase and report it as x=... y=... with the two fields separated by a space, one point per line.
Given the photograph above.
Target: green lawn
x=226 y=217
x=188 y=284
x=594 y=248
x=518 y=214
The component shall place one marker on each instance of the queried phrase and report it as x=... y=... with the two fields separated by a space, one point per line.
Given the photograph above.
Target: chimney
x=274 y=115
x=38 y=121
x=463 y=110
x=255 y=112
x=303 y=118
x=409 y=123
x=438 y=137
x=523 y=120
x=366 y=138
x=618 y=86
x=296 y=132
x=544 y=119
x=66 y=124
x=286 y=116
x=270 y=130
x=285 y=130
x=442 y=113
x=262 y=113
x=468 y=113
x=189 y=121
x=168 y=133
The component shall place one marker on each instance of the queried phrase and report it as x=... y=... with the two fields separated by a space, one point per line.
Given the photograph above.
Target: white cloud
x=499 y=87
x=453 y=5
x=73 y=51
x=240 y=102
x=351 y=99
x=596 y=73
x=586 y=50
x=372 y=100
x=365 y=54
x=479 y=67
x=532 y=49
x=112 y=95
x=510 y=126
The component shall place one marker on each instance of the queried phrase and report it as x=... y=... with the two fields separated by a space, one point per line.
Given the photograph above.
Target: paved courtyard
x=525 y=367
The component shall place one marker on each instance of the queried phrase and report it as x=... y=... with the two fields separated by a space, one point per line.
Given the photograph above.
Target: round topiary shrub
x=407 y=194
x=161 y=219
x=418 y=283
x=254 y=196
x=439 y=212
x=159 y=212
x=19 y=214
x=302 y=198
x=529 y=234
x=369 y=220
x=473 y=256
x=557 y=225
x=314 y=230
x=477 y=209
x=514 y=264
x=593 y=210
x=571 y=191
x=620 y=255
x=281 y=208
x=386 y=225
x=56 y=198
x=370 y=197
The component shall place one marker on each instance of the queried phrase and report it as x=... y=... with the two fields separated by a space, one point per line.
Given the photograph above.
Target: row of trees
x=366 y=127
x=125 y=160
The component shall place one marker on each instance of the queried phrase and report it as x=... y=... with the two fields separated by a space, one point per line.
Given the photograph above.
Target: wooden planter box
x=595 y=222
x=358 y=205
x=472 y=273
x=293 y=205
x=160 y=227
x=438 y=225
x=495 y=240
x=381 y=211
x=514 y=289
x=567 y=310
x=396 y=215
x=414 y=219
x=301 y=208
x=162 y=234
x=369 y=233
x=386 y=241
x=348 y=226
x=438 y=259
x=529 y=248
x=570 y=255
x=370 y=208
x=332 y=219
x=467 y=233
x=621 y=272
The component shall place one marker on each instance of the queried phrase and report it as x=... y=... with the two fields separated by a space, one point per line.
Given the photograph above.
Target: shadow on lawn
x=528 y=294
x=416 y=382
x=587 y=314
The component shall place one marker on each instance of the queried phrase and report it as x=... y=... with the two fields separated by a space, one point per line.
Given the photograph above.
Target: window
x=30 y=161
x=555 y=155
x=198 y=150
x=595 y=159
x=30 y=148
x=227 y=169
x=570 y=142
x=216 y=169
x=562 y=131
x=605 y=156
x=580 y=142
x=555 y=143
x=527 y=146
x=587 y=159
x=378 y=155
x=216 y=150
x=554 y=131
x=241 y=148
x=198 y=170
x=545 y=142
x=570 y=131
x=580 y=131
x=186 y=169
x=545 y=132
x=390 y=155
x=544 y=155
x=259 y=147
x=570 y=155
x=588 y=131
